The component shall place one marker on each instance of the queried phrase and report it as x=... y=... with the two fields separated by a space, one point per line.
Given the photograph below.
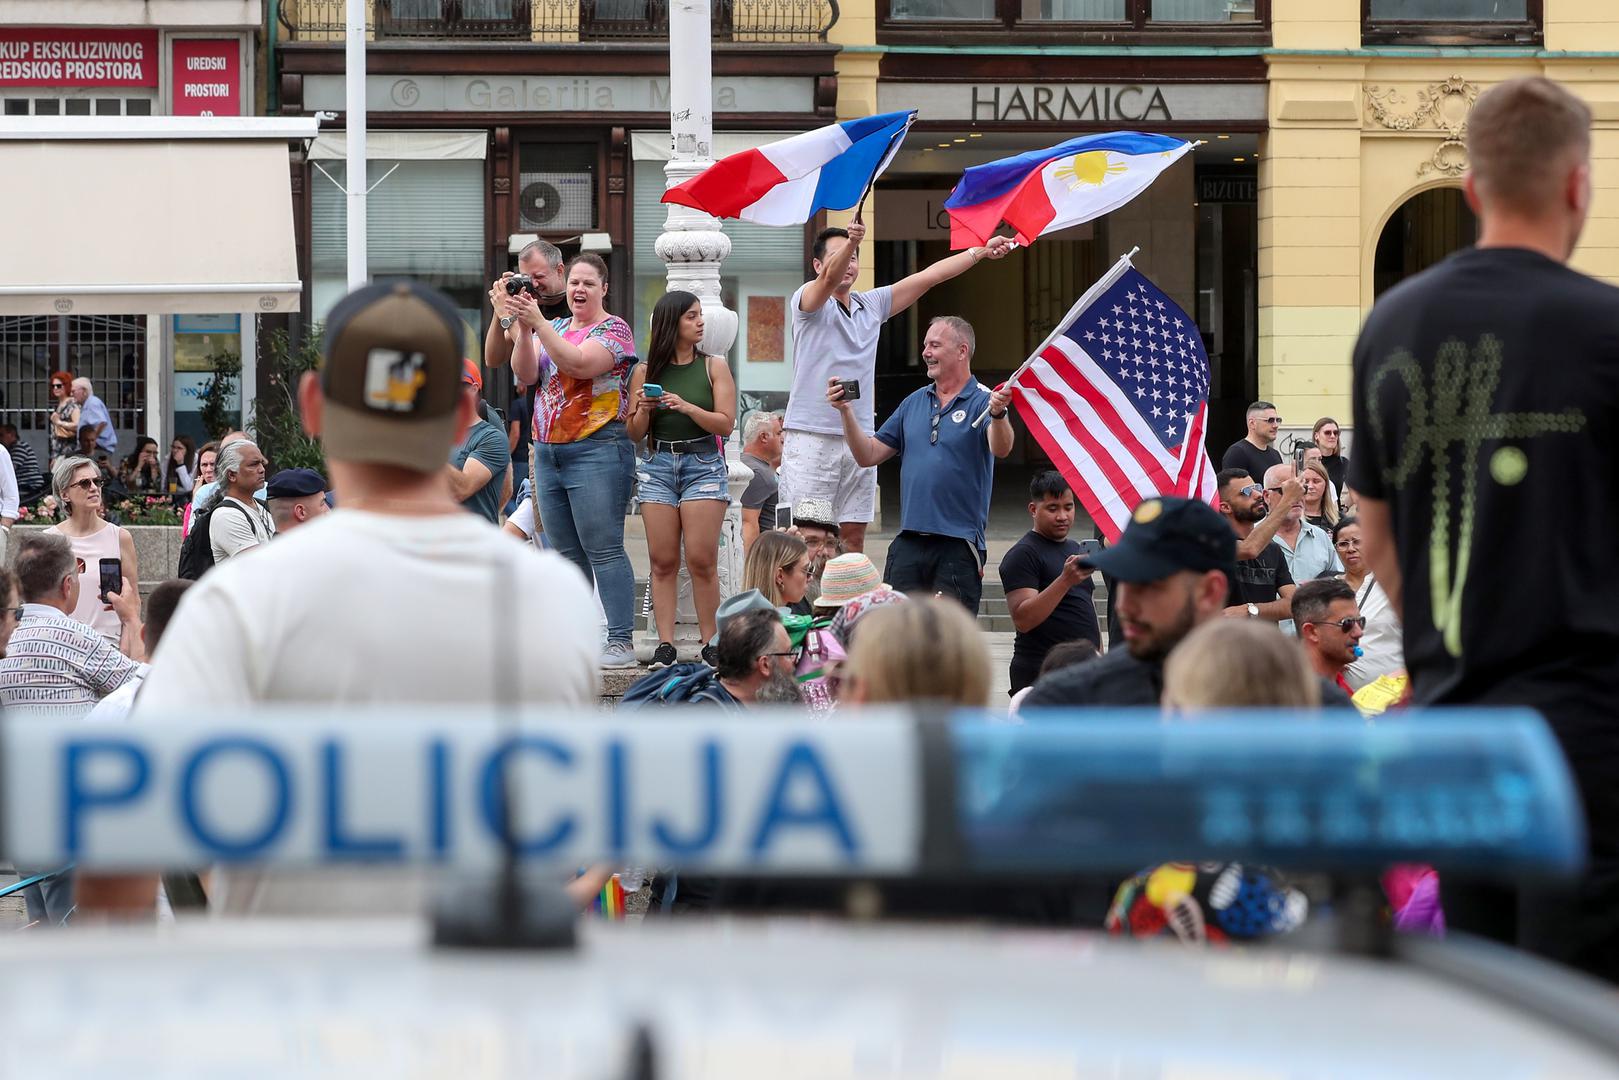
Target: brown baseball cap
x=392 y=376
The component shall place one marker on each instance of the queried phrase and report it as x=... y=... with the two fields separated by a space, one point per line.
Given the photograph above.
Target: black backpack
x=197 y=551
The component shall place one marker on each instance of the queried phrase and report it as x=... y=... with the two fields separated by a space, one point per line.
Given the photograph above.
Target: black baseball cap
x=1168 y=535
x=295 y=484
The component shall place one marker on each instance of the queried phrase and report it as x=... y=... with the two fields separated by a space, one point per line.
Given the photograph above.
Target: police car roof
x=725 y=997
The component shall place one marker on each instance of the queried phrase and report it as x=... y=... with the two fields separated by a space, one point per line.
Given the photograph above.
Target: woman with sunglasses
x=77 y=482
x=64 y=415
x=1381 y=644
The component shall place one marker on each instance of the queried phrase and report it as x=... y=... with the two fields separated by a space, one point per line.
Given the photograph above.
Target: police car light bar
x=875 y=794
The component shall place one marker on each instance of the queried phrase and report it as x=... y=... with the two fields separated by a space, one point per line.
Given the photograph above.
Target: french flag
x=789 y=182
x=1045 y=190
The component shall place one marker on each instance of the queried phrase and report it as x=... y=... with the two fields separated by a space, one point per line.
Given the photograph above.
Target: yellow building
x=1360 y=171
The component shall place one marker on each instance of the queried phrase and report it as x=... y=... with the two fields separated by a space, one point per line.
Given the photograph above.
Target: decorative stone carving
x=503 y=185
x=1441 y=107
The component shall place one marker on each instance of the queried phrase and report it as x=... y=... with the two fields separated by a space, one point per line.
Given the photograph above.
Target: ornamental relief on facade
x=1440 y=107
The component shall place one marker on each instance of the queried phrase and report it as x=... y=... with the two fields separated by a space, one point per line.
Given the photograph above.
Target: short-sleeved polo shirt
x=944 y=485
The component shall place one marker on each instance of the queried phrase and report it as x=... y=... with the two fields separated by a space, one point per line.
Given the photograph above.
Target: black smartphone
x=1298 y=455
x=851 y=389
x=112 y=577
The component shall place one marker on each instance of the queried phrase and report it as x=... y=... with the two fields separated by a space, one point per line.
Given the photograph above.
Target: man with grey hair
x=761 y=452
x=237 y=520
x=947 y=466
x=543 y=263
x=93 y=412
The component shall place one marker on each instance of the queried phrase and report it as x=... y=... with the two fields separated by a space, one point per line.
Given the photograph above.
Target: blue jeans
x=519 y=477
x=582 y=490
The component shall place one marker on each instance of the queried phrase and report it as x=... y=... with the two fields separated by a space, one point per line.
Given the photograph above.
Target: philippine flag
x=789 y=182
x=1046 y=190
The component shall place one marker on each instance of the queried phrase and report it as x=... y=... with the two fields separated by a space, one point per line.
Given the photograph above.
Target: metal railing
x=558 y=20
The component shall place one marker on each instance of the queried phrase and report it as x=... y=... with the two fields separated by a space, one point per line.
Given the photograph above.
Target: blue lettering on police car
x=496 y=800
x=78 y=798
x=826 y=812
x=338 y=842
x=254 y=845
x=713 y=787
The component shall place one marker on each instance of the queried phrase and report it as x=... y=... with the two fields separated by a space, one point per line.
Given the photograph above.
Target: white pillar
x=693 y=245
x=354 y=85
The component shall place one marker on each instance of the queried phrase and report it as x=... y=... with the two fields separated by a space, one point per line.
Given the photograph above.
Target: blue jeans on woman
x=582 y=491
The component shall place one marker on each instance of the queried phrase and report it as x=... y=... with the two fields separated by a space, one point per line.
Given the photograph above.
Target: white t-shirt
x=1383 y=639
x=357 y=608
x=363 y=608
x=234 y=528
x=835 y=342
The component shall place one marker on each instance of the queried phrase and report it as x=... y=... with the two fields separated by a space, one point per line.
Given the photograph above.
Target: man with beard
x=1174 y=566
x=753 y=663
x=1263 y=586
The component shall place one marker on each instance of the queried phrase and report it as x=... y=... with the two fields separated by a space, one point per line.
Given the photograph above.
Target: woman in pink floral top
x=582 y=456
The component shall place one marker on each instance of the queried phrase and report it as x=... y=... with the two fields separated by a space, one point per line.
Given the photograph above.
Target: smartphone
x=1298 y=455
x=651 y=389
x=112 y=577
x=1087 y=548
x=851 y=389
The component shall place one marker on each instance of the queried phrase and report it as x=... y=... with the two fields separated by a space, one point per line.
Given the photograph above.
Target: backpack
x=197 y=552
x=677 y=684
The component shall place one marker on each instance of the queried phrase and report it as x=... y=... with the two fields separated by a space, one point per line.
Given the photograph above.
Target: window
x=1110 y=21
x=453 y=18
x=1451 y=10
x=1451 y=22
x=424 y=222
x=72 y=103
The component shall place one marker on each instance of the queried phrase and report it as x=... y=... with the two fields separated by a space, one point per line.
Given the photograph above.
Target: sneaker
x=618 y=654
x=711 y=656
x=663 y=656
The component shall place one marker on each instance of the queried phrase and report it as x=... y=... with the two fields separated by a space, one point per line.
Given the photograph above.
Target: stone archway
x=1423 y=230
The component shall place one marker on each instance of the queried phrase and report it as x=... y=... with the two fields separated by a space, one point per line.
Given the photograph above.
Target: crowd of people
x=1287 y=590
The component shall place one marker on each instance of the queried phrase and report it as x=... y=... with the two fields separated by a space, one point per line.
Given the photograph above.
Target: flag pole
x=888 y=153
x=1085 y=301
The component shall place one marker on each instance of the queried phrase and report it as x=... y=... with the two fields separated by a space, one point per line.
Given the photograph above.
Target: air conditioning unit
x=557 y=201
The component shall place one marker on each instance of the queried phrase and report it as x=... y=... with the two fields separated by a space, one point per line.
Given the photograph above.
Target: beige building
x=1360 y=171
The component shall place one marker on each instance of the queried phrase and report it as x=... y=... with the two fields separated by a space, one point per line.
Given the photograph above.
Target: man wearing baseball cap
x=1173 y=567
x=398 y=598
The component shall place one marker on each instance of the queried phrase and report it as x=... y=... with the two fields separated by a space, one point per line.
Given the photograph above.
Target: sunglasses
x=88 y=484
x=1343 y=624
x=1270 y=419
x=933 y=436
x=1251 y=489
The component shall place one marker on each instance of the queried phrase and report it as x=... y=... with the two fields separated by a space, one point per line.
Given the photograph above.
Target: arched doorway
x=1426 y=228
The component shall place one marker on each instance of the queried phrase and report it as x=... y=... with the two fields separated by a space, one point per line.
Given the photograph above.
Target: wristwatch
x=998 y=415
x=505 y=322
x=1253 y=611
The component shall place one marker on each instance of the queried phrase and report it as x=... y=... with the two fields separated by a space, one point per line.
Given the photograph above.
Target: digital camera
x=522 y=283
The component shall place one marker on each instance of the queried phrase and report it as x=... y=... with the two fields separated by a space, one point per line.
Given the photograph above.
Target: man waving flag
x=789 y=182
x=1046 y=190
x=1118 y=397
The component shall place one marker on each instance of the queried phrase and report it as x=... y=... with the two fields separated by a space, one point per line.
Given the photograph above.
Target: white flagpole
x=1103 y=283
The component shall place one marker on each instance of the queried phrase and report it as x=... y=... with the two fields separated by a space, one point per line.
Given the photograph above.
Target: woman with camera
x=582 y=453
x=683 y=404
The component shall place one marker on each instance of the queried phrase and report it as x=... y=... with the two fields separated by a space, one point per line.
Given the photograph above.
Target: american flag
x=1118 y=396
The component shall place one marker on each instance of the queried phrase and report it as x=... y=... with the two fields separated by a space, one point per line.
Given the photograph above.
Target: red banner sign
x=48 y=56
x=207 y=77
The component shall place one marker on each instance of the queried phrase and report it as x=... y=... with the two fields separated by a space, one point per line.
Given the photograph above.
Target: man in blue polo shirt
x=946 y=466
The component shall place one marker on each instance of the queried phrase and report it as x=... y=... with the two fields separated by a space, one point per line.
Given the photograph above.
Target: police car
x=879 y=798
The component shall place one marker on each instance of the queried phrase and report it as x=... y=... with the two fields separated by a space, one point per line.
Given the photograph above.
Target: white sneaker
x=618 y=654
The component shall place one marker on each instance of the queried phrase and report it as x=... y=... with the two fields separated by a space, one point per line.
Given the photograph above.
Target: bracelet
x=998 y=415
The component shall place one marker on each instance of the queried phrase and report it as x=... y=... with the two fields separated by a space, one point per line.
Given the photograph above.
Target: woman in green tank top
x=681 y=473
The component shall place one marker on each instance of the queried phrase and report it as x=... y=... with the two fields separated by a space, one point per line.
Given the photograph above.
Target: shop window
x=1451 y=21
x=757 y=281
x=1109 y=20
x=424 y=222
x=556 y=187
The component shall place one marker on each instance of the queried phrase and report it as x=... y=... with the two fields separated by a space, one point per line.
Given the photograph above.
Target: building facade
x=494 y=122
x=118 y=59
x=1361 y=168
x=994 y=78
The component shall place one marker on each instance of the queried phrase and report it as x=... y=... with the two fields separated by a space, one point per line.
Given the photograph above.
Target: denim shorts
x=670 y=479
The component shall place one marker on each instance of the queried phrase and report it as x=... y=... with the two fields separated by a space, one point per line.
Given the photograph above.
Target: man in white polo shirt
x=835 y=336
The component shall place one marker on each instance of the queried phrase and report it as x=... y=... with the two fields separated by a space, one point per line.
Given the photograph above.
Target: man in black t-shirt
x=1263 y=586
x=1486 y=391
x=1256 y=452
x=1048 y=593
